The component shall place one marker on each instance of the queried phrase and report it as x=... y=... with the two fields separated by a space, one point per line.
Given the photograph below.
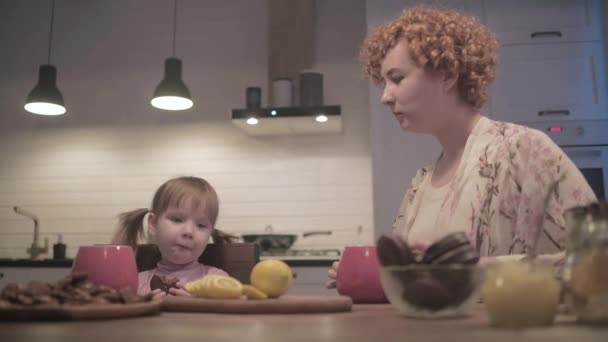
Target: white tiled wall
x=112 y=150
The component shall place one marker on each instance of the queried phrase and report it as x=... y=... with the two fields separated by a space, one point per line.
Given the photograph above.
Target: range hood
x=291 y=40
x=289 y=120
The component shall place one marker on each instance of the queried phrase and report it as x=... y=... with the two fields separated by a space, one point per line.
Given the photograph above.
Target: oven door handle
x=593 y=153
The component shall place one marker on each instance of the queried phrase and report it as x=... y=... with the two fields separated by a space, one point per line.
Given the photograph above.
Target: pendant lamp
x=45 y=98
x=172 y=93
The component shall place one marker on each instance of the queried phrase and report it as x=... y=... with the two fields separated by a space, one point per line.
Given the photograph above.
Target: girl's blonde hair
x=441 y=41
x=172 y=193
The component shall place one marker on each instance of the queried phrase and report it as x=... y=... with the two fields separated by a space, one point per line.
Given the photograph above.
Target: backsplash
x=77 y=181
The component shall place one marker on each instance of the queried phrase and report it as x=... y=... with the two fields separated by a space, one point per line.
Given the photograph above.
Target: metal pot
x=277 y=242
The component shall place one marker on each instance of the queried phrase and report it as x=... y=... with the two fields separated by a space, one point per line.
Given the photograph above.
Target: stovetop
x=305 y=253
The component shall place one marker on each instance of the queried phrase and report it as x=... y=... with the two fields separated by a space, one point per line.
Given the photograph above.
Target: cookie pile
x=74 y=289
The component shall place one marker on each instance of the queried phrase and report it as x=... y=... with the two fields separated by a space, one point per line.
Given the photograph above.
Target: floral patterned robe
x=498 y=193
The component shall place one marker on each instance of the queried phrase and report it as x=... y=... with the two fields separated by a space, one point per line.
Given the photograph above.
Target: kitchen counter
x=67 y=263
x=304 y=261
x=364 y=323
x=9 y=262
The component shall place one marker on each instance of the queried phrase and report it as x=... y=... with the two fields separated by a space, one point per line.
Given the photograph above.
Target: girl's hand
x=332 y=274
x=180 y=290
x=158 y=294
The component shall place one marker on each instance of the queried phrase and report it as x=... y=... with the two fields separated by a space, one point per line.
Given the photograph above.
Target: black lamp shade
x=45 y=98
x=172 y=93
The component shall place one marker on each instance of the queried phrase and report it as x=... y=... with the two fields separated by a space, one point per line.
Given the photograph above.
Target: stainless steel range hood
x=291 y=33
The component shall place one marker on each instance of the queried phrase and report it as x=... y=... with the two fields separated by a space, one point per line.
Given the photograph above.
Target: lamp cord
x=48 y=58
x=174 y=24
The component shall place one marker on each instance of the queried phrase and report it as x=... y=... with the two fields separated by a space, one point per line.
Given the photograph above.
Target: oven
x=586 y=144
x=593 y=163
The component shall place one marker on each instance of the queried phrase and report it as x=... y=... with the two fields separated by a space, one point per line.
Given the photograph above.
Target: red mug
x=110 y=265
x=359 y=275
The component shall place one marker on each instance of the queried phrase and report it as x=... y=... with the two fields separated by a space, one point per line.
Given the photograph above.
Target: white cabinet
x=550 y=82
x=380 y=11
x=544 y=21
x=310 y=280
x=552 y=60
x=23 y=275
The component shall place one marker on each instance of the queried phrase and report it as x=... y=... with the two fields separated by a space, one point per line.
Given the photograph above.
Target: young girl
x=180 y=221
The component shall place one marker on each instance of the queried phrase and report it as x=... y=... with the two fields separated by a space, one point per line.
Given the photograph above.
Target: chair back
x=237 y=259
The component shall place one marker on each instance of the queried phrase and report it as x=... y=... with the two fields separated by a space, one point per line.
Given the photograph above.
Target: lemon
x=271 y=276
x=253 y=292
x=215 y=286
x=518 y=294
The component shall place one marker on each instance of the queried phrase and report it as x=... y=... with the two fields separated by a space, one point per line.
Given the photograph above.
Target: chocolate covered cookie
x=163 y=283
x=393 y=251
x=454 y=248
x=423 y=290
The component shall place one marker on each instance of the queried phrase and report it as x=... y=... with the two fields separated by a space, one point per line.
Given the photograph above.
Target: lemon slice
x=253 y=292
x=216 y=287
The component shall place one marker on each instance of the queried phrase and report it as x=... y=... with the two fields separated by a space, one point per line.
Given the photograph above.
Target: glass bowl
x=432 y=291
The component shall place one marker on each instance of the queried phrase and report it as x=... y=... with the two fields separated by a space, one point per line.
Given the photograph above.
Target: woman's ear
x=449 y=82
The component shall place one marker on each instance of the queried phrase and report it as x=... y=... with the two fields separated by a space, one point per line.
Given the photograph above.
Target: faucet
x=34 y=251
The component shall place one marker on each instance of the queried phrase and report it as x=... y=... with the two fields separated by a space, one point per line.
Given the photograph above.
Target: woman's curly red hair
x=441 y=41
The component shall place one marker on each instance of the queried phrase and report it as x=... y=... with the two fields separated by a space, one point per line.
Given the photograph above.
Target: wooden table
x=376 y=323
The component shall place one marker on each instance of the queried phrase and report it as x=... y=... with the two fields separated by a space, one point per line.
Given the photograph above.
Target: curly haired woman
x=492 y=178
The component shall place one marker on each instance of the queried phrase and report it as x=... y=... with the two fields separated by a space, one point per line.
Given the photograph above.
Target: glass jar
x=586 y=268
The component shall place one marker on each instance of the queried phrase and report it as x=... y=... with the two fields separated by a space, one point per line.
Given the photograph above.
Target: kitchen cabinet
x=378 y=12
x=549 y=83
x=552 y=60
x=310 y=280
x=23 y=275
x=544 y=21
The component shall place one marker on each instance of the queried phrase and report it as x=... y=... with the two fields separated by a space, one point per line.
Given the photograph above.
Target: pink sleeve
x=143 y=282
x=214 y=270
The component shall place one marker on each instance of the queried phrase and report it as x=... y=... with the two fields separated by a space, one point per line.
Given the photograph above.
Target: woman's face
x=181 y=232
x=413 y=95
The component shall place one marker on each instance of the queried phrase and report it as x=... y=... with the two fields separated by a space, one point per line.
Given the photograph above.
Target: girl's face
x=414 y=96
x=181 y=233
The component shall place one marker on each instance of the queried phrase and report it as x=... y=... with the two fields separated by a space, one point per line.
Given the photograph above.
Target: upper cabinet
x=552 y=60
x=555 y=82
x=380 y=11
x=544 y=21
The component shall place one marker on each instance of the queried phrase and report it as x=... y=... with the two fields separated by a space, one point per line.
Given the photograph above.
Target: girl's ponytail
x=130 y=228
x=220 y=236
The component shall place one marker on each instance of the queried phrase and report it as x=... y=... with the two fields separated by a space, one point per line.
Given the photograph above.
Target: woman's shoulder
x=513 y=132
x=518 y=139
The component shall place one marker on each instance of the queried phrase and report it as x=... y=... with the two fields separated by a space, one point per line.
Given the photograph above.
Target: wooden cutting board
x=80 y=312
x=283 y=304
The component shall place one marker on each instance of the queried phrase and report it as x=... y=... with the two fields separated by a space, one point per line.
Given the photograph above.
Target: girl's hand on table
x=158 y=294
x=332 y=274
x=180 y=290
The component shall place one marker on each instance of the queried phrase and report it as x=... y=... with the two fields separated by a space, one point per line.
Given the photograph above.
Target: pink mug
x=110 y=265
x=359 y=275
